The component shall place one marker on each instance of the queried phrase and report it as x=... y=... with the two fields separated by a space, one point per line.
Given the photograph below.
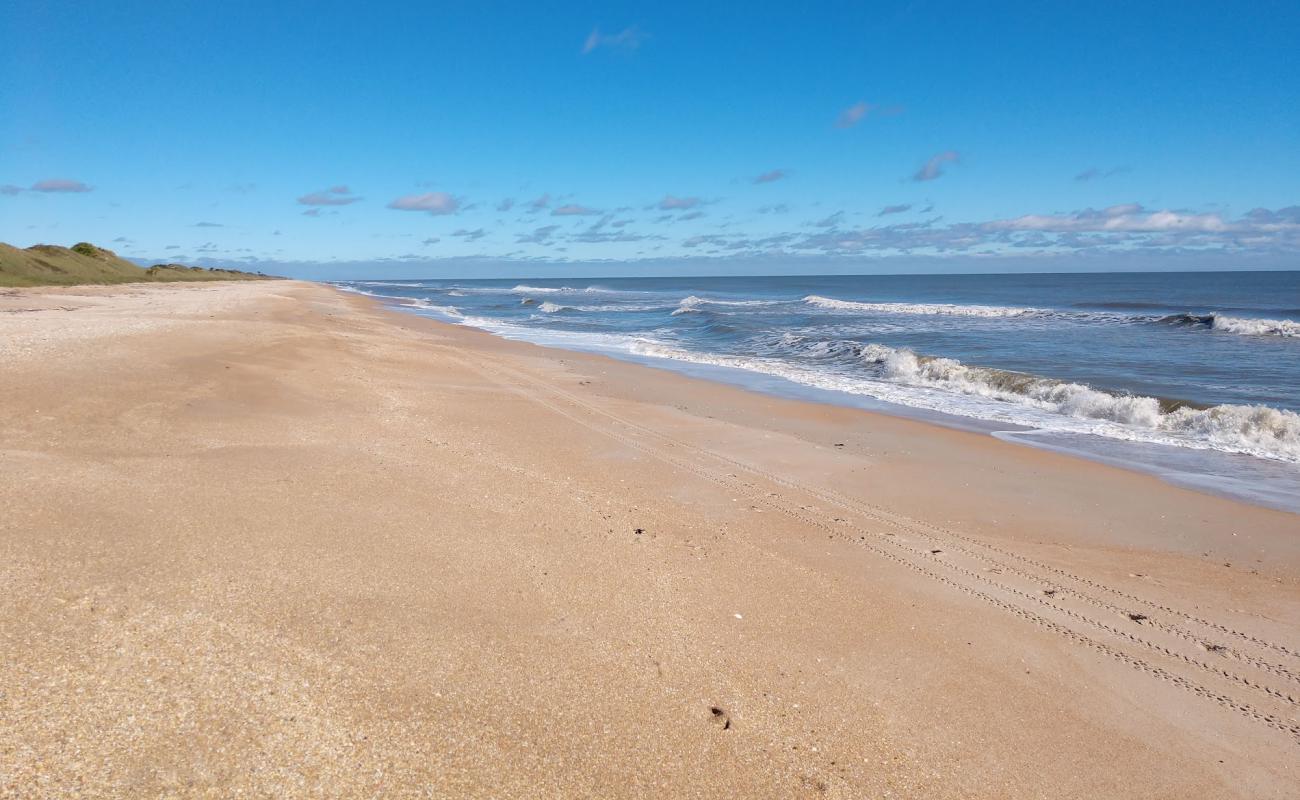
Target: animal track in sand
x=721 y=717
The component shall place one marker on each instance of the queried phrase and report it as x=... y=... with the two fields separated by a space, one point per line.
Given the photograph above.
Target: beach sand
x=273 y=540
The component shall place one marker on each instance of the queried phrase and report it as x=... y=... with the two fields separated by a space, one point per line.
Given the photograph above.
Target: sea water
x=1192 y=376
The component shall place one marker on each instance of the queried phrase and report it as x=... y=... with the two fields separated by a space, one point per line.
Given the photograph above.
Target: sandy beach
x=274 y=540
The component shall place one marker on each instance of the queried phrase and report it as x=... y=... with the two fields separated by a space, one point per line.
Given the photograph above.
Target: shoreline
x=339 y=549
x=1275 y=485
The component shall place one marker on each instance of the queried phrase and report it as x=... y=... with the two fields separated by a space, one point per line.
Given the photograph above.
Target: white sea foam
x=423 y=304
x=941 y=309
x=692 y=303
x=688 y=305
x=901 y=376
x=946 y=385
x=523 y=289
x=1239 y=325
x=526 y=289
x=355 y=290
x=1256 y=327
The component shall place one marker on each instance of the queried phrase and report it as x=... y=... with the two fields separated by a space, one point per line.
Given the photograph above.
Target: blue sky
x=318 y=139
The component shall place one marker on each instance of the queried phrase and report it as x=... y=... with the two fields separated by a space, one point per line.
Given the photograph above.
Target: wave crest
x=903 y=376
x=933 y=309
x=1256 y=327
x=423 y=304
x=1242 y=326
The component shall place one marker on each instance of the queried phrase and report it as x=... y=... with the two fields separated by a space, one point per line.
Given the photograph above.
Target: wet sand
x=273 y=540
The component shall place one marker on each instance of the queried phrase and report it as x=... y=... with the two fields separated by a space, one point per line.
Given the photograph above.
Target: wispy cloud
x=830 y=221
x=242 y=188
x=469 y=235
x=540 y=235
x=10 y=189
x=770 y=177
x=574 y=210
x=435 y=203
x=673 y=203
x=333 y=196
x=539 y=203
x=899 y=209
x=1123 y=228
x=62 y=185
x=208 y=225
x=1096 y=173
x=626 y=39
x=1134 y=218
x=608 y=230
x=506 y=204
x=933 y=168
x=853 y=115
x=430 y=240
x=861 y=110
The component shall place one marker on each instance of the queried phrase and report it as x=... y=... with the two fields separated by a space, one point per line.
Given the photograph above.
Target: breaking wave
x=692 y=303
x=423 y=304
x=1242 y=326
x=523 y=289
x=947 y=385
x=944 y=309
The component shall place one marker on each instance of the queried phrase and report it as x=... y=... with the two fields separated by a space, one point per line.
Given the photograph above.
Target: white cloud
x=1095 y=173
x=1128 y=218
x=435 y=203
x=853 y=115
x=672 y=203
x=933 y=168
x=60 y=185
x=573 y=210
x=540 y=235
x=333 y=196
x=626 y=39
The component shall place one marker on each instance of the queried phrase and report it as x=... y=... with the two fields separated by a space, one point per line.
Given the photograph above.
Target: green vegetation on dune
x=51 y=265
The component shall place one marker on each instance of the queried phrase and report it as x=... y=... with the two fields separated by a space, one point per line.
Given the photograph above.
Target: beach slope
x=270 y=539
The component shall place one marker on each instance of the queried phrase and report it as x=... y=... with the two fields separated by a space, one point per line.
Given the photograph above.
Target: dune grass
x=51 y=265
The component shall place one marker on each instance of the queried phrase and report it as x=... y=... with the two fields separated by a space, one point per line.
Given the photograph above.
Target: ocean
x=1194 y=377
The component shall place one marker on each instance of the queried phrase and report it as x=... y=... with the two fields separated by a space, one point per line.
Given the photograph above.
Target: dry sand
x=271 y=540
